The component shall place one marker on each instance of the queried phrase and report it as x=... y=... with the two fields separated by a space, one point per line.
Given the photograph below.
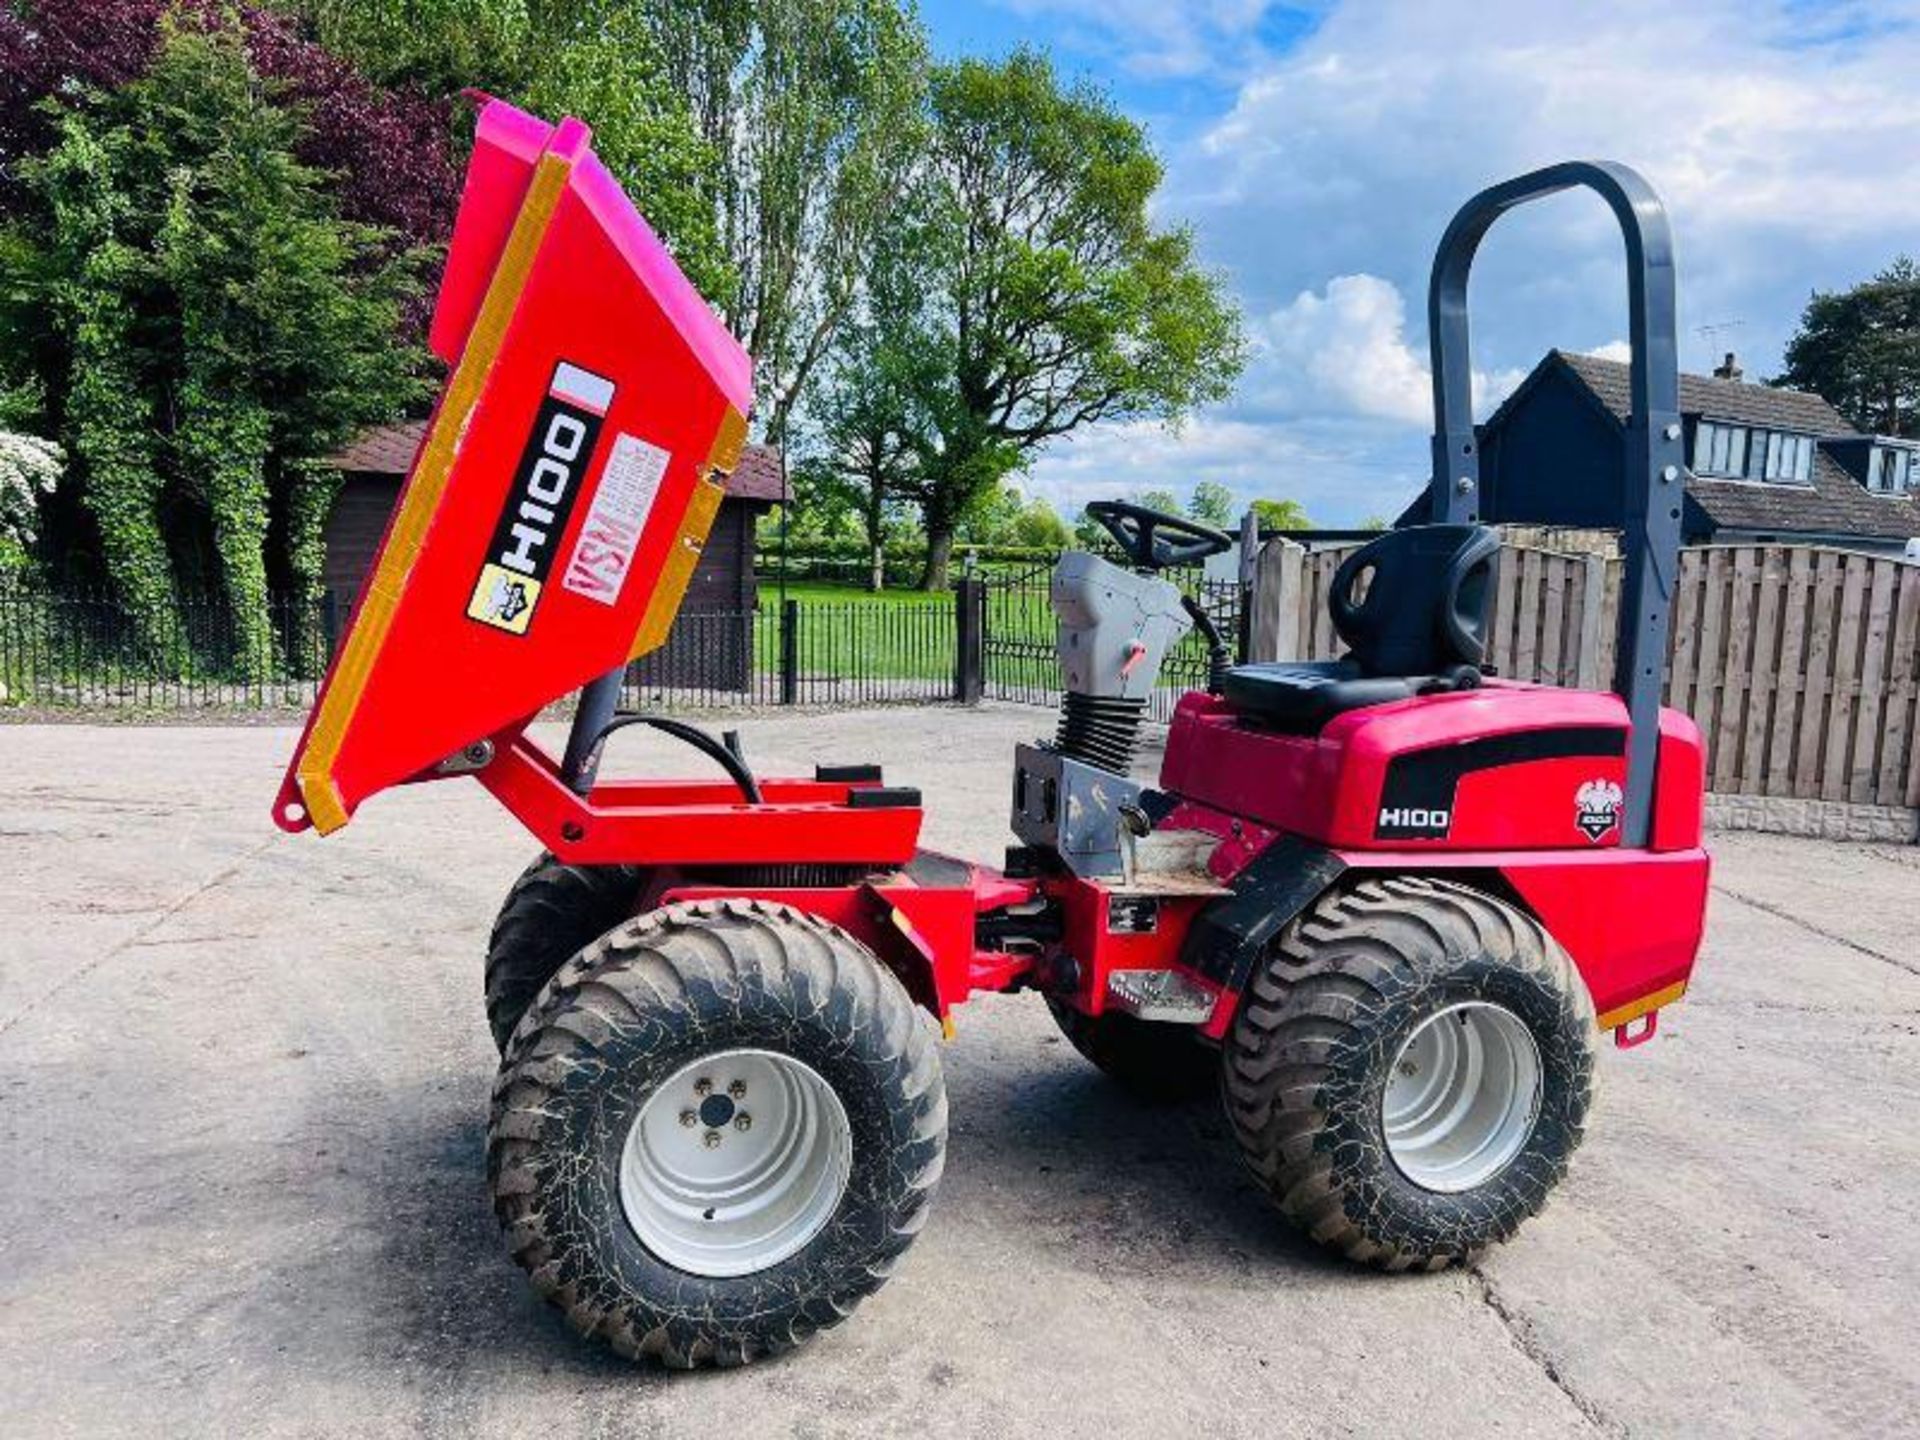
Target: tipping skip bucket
x=560 y=497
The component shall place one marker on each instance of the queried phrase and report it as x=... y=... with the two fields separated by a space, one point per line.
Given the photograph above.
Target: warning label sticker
x=603 y=552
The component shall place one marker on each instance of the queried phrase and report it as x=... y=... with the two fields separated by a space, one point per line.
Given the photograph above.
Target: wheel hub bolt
x=738 y=1089
x=712 y=1139
x=743 y=1121
x=703 y=1086
x=689 y=1119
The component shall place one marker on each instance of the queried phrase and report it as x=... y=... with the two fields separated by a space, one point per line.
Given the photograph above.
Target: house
x=1764 y=464
x=724 y=588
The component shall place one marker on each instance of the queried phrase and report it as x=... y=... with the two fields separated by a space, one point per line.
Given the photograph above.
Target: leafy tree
x=387 y=152
x=598 y=59
x=1038 y=526
x=766 y=140
x=1281 y=515
x=212 y=325
x=863 y=457
x=817 y=107
x=1212 y=503
x=1033 y=294
x=1860 y=350
x=1005 y=516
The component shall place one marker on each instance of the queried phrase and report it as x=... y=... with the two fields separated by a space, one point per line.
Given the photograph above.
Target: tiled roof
x=1731 y=400
x=383 y=450
x=389 y=450
x=1834 y=504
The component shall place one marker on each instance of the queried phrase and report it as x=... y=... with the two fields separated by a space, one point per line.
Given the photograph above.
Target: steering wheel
x=1153 y=539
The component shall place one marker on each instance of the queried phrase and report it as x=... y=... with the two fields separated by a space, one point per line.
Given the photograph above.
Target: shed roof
x=389 y=450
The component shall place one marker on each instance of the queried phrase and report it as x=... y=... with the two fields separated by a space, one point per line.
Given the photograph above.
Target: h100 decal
x=545 y=485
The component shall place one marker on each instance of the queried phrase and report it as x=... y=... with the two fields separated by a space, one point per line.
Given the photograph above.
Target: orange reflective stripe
x=382 y=599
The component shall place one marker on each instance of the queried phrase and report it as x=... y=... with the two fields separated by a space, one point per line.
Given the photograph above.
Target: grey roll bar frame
x=1654 y=477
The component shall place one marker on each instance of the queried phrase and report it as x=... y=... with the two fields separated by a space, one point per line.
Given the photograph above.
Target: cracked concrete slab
x=243 y=1081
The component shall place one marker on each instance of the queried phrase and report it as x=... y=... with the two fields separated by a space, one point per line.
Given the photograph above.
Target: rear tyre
x=716 y=1132
x=553 y=911
x=1410 y=1071
x=1157 y=1062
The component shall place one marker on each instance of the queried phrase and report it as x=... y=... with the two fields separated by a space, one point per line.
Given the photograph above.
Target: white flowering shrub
x=29 y=468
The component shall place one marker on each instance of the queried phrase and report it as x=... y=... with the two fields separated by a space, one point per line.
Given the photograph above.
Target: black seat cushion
x=1412 y=606
x=1302 y=695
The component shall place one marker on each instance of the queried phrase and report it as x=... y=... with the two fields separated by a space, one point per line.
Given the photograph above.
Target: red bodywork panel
x=1497 y=758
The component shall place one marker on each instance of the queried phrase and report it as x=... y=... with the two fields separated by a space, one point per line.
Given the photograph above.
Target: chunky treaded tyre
x=553 y=911
x=622 y=1096
x=1337 y=1071
x=1155 y=1061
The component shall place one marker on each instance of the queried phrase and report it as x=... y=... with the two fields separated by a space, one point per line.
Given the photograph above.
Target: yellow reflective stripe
x=1628 y=1013
x=382 y=599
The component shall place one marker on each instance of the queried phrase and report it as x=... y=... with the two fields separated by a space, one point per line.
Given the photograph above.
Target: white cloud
x=1618 y=350
x=1773 y=130
x=1344 y=351
x=1767 y=127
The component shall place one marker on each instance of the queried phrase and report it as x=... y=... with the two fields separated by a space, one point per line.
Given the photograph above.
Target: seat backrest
x=1416 y=601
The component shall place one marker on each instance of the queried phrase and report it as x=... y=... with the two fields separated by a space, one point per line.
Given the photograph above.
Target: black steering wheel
x=1153 y=539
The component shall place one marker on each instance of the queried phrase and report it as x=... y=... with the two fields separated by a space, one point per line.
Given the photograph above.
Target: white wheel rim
x=754 y=1176
x=1463 y=1097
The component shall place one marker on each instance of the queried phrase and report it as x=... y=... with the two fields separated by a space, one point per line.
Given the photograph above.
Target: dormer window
x=1893 y=470
x=1744 y=452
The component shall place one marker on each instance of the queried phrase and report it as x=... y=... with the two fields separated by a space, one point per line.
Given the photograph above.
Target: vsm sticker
x=545 y=485
x=1596 y=808
x=603 y=553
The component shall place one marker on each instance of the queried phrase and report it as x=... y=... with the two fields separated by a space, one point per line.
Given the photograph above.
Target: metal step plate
x=1164 y=995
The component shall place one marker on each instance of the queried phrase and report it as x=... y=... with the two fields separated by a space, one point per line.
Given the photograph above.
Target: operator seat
x=1419 y=625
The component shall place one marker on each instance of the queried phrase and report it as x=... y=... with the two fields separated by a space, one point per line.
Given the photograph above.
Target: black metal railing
x=86 y=649
x=991 y=636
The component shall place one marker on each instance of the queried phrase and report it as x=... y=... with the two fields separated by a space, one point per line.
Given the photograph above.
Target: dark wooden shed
x=713 y=651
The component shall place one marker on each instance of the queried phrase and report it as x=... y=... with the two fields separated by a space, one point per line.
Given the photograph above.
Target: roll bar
x=1654 y=476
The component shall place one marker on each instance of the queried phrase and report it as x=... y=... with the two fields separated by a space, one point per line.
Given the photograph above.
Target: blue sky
x=1318 y=150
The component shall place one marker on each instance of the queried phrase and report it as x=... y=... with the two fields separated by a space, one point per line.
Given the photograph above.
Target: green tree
x=1212 y=503
x=818 y=107
x=1033 y=294
x=767 y=141
x=1281 y=515
x=861 y=456
x=1860 y=350
x=216 y=325
x=601 y=60
x=1038 y=526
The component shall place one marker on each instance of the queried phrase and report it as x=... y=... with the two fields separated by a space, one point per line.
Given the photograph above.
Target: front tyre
x=1410 y=1071
x=716 y=1132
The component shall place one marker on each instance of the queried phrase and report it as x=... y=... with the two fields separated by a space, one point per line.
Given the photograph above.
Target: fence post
x=1594 y=622
x=1274 y=622
x=969 y=613
x=789 y=652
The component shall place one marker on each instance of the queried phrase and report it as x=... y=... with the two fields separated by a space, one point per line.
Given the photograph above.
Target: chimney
x=1728 y=369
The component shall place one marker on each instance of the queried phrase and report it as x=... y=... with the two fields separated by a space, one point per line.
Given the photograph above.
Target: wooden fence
x=1801 y=665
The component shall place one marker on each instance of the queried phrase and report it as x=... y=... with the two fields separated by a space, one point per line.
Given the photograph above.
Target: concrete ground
x=242 y=1088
